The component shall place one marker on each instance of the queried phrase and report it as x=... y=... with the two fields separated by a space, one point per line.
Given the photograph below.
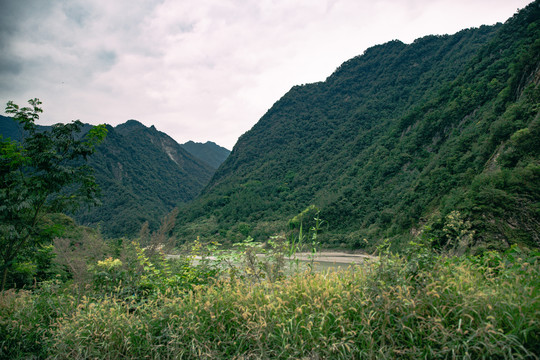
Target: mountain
x=209 y=152
x=143 y=174
x=9 y=129
x=441 y=132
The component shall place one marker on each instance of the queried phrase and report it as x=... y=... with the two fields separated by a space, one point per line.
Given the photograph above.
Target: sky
x=201 y=70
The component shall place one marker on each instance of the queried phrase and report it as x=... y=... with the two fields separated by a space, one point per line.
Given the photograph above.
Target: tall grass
x=412 y=306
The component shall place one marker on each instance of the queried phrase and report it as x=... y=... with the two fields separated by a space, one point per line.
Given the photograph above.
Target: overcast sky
x=200 y=69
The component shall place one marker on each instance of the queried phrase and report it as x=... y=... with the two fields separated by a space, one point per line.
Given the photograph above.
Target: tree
x=46 y=172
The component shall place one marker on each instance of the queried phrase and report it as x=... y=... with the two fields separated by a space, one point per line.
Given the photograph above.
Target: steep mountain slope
x=397 y=137
x=143 y=174
x=209 y=152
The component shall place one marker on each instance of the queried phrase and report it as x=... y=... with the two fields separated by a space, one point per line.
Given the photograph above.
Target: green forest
x=394 y=141
x=143 y=174
x=423 y=158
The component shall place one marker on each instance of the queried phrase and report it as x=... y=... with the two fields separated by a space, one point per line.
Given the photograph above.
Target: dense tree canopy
x=45 y=172
x=394 y=139
x=142 y=173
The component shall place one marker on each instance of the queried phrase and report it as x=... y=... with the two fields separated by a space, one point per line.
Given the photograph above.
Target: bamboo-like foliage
x=407 y=306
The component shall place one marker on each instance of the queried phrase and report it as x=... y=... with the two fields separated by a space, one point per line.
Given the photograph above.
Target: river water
x=327 y=260
x=322 y=261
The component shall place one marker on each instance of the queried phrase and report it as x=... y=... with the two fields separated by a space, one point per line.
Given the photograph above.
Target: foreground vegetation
x=415 y=305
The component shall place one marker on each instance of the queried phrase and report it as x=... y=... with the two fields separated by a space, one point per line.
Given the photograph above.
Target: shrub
x=463 y=307
x=415 y=305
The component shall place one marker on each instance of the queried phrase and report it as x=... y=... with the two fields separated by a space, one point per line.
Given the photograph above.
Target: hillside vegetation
x=210 y=152
x=143 y=174
x=443 y=132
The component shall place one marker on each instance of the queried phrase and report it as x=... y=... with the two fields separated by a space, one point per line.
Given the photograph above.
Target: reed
x=399 y=307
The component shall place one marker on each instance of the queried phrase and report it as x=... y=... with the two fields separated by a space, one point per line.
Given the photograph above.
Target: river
x=323 y=260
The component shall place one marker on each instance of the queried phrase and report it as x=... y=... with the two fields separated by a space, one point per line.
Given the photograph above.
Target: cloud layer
x=200 y=69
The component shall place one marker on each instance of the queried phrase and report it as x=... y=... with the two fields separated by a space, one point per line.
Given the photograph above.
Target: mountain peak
x=210 y=152
x=133 y=122
x=395 y=139
x=130 y=125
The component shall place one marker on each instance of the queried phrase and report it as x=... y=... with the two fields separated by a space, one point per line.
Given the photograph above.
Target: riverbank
x=334 y=257
x=327 y=257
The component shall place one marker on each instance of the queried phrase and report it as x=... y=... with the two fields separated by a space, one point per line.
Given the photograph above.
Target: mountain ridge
x=143 y=174
x=210 y=152
x=384 y=145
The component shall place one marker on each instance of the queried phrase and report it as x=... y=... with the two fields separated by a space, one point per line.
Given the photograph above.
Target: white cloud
x=206 y=69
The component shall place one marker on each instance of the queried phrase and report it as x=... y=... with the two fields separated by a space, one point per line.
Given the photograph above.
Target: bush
x=416 y=305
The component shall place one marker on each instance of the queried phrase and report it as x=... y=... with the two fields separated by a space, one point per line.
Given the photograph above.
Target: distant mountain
x=9 y=128
x=442 y=132
x=211 y=153
x=14 y=131
x=143 y=174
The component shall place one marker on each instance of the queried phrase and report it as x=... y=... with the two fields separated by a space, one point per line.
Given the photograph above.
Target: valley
x=390 y=211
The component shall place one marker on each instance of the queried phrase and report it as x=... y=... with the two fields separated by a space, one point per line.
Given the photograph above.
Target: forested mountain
x=441 y=132
x=143 y=174
x=9 y=128
x=211 y=153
